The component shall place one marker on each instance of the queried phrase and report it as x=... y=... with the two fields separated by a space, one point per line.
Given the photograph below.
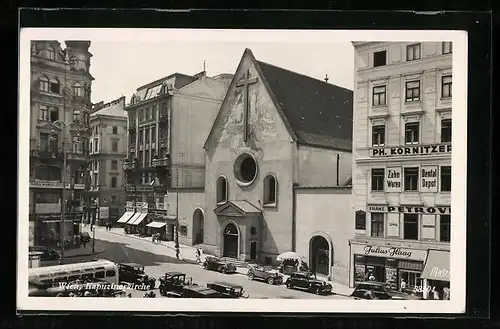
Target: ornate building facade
x=59 y=121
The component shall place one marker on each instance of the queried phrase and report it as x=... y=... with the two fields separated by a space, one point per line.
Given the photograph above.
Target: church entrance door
x=320 y=255
x=231 y=240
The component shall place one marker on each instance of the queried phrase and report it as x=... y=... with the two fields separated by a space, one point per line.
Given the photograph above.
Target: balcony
x=162 y=143
x=159 y=163
x=77 y=156
x=131 y=148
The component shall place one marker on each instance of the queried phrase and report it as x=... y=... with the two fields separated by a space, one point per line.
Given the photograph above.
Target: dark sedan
x=380 y=290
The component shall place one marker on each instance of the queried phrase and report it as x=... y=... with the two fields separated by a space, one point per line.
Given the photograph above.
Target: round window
x=245 y=169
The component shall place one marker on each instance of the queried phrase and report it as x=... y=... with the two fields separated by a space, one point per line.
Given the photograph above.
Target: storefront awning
x=126 y=216
x=437 y=266
x=156 y=224
x=139 y=219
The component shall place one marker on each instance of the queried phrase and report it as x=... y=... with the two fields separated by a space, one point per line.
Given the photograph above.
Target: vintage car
x=264 y=273
x=379 y=290
x=85 y=237
x=199 y=292
x=134 y=273
x=174 y=282
x=218 y=264
x=309 y=282
x=227 y=290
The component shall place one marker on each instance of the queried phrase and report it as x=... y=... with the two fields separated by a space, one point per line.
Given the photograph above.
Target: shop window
x=412 y=91
x=411 y=179
x=183 y=230
x=270 y=190
x=379 y=58
x=377 y=225
x=379 y=95
x=410 y=227
x=412 y=131
x=378 y=179
x=446 y=86
x=446 y=131
x=360 y=222
x=447 y=47
x=413 y=52
x=378 y=135
x=445 y=228
x=44 y=84
x=445 y=178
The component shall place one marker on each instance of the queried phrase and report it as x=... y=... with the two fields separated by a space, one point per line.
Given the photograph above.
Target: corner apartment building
x=108 y=150
x=402 y=163
x=168 y=121
x=60 y=104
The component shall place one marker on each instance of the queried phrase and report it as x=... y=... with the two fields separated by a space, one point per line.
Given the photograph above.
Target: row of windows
x=412 y=91
x=413 y=227
x=50 y=143
x=51 y=114
x=96 y=130
x=270 y=190
x=54 y=86
x=95 y=144
x=413 y=52
x=410 y=179
x=412 y=133
x=147 y=136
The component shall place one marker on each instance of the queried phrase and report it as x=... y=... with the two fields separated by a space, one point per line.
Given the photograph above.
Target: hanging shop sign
x=393 y=179
x=428 y=178
x=103 y=212
x=442 y=210
x=411 y=150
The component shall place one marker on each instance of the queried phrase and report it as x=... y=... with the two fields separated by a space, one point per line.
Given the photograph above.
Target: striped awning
x=156 y=224
x=139 y=219
x=126 y=216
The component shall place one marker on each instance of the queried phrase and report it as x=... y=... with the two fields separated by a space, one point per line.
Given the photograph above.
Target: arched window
x=51 y=53
x=77 y=89
x=113 y=182
x=44 y=83
x=55 y=87
x=221 y=189
x=270 y=190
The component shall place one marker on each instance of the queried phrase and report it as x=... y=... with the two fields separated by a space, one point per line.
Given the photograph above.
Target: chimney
x=121 y=100
x=326 y=78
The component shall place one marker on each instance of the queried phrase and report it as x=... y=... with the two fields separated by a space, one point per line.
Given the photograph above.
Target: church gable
x=248 y=116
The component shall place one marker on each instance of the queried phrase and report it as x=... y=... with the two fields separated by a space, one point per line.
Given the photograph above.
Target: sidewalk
x=188 y=254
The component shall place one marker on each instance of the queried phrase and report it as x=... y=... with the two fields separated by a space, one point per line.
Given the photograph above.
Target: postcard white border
x=458 y=195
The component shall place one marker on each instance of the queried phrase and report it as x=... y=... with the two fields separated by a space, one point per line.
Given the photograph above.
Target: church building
x=278 y=171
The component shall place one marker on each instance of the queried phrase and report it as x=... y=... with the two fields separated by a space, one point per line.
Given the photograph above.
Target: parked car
x=199 y=292
x=174 y=282
x=264 y=273
x=218 y=264
x=227 y=290
x=134 y=273
x=379 y=290
x=85 y=237
x=309 y=282
x=50 y=254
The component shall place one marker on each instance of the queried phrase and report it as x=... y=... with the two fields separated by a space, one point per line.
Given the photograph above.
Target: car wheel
x=205 y=266
x=289 y=285
x=251 y=276
x=223 y=270
x=317 y=291
x=270 y=280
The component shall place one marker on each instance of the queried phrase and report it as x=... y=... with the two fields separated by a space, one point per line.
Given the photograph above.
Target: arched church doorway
x=319 y=257
x=231 y=239
x=198 y=219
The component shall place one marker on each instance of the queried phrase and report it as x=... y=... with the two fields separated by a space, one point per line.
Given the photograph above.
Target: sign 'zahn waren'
x=411 y=209
x=411 y=150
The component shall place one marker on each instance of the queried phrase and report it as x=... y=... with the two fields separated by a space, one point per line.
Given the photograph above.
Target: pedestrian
x=435 y=293
x=177 y=253
x=198 y=255
x=371 y=277
x=446 y=293
x=84 y=243
x=402 y=286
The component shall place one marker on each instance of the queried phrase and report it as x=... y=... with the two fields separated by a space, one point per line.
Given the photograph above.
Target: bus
x=50 y=276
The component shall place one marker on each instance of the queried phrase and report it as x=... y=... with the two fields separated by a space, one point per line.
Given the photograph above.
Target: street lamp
x=64 y=126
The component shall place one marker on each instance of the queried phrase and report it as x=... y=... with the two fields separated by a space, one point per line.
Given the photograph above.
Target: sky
x=119 y=68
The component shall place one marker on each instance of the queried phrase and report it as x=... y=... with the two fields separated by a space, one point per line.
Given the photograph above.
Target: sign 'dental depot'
x=411 y=150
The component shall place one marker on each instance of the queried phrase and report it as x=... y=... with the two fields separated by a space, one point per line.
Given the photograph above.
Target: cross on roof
x=246 y=82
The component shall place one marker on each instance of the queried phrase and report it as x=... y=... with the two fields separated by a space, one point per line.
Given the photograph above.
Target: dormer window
x=379 y=58
x=413 y=52
x=51 y=53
